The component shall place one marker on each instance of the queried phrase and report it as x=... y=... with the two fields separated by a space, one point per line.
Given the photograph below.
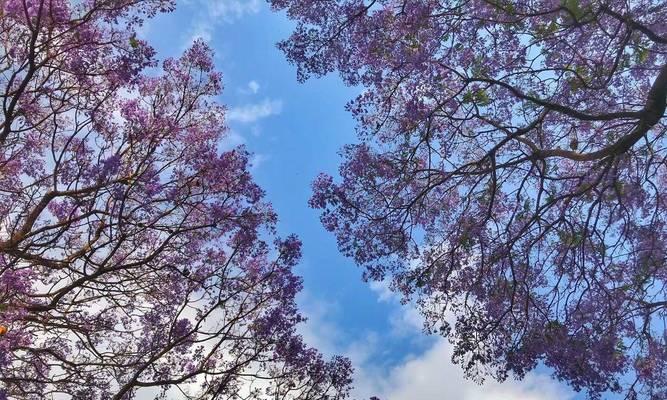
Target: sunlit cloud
x=250 y=113
x=428 y=375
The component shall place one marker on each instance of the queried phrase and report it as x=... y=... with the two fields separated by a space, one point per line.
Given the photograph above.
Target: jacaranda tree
x=137 y=260
x=510 y=175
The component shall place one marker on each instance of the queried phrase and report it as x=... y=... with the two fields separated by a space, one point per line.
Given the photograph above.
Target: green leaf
x=571 y=239
x=641 y=55
x=543 y=31
x=479 y=97
x=574 y=7
x=466 y=241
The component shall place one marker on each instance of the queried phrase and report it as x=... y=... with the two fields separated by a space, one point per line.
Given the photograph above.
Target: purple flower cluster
x=134 y=256
x=510 y=172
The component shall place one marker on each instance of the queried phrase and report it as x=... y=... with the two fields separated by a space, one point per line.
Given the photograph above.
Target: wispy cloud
x=231 y=140
x=200 y=31
x=429 y=375
x=253 y=87
x=250 y=113
x=209 y=14
x=257 y=160
x=230 y=10
x=432 y=376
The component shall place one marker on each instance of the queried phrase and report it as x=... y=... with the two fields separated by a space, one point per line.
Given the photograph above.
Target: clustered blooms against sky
x=294 y=131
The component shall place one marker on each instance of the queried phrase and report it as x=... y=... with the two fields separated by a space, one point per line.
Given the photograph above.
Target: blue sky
x=294 y=131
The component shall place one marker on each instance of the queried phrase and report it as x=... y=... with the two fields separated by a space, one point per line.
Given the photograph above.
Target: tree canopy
x=137 y=260
x=510 y=175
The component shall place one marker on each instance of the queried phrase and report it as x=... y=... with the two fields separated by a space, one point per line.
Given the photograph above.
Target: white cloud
x=257 y=160
x=201 y=31
x=224 y=10
x=253 y=112
x=381 y=288
x=230 y=10
x=253 y=86
x=430 y=375
x=211 y=13
x=319 y=331
x=231 y=140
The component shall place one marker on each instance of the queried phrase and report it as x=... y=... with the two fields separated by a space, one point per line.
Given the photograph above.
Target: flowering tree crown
x=136 y=259
x=510 y=173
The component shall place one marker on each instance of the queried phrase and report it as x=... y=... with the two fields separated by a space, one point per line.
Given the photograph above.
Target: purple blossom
x=133 y=252
x=509 y=172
